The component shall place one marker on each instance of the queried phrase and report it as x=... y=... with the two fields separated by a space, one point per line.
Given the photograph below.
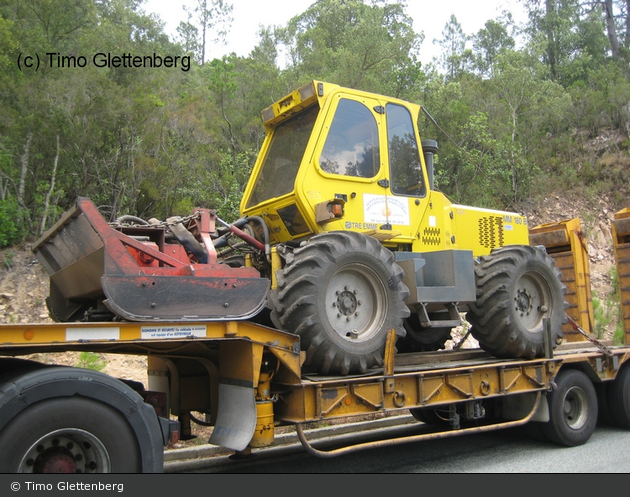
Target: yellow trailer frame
x=265 y=364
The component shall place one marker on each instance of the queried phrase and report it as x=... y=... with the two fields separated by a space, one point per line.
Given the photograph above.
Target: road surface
x=502 y=451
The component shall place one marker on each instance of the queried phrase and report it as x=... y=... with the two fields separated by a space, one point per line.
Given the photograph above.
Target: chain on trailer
x=605 y=350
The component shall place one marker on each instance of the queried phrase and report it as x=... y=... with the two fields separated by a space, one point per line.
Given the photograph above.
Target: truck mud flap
x=236 y=418
x=139 y=298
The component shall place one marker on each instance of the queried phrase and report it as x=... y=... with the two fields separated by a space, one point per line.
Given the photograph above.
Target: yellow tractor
x=362 y=243
x=343 y=240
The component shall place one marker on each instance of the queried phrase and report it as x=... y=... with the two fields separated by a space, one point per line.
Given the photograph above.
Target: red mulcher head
x=98 y=272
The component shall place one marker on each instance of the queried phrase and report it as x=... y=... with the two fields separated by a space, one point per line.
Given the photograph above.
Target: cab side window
x=351 y=147
x=404 y=155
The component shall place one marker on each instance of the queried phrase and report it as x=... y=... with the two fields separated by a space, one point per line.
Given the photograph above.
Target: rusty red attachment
x=98 y=272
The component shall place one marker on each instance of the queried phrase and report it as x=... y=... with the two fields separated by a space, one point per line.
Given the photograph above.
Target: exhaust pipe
x=429 y=148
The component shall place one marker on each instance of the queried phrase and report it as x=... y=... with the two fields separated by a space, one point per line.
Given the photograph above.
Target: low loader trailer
x=246 y=379
x=119 y=290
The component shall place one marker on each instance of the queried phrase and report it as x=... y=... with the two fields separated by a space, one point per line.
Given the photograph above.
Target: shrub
x=90 y=360
x=11 y=224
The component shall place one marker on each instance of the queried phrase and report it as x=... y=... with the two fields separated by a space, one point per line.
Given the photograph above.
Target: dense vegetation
x=520 y=110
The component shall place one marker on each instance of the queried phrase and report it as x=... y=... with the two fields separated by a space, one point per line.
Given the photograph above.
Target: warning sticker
x=181 y=331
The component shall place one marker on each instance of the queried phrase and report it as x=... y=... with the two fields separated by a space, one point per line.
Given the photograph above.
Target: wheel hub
x=56 y=455
x=54 y=461
x=347 y=302
x=575 y=408
x=523 y=301
x=66 y=451
x=531 y=301
x=358 y=302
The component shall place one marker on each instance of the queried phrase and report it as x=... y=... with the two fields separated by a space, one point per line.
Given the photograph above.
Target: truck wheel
x=619 y=399
x=572 y=410
x=517 y=287
x=430 y=416
x=58 y=418
x=69 y=435
x=340 y=292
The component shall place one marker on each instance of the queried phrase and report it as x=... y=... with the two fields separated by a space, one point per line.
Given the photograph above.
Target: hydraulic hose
x=241 y=234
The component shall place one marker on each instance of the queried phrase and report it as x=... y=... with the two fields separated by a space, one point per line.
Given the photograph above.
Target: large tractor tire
x=340 y=292
x=517 y=288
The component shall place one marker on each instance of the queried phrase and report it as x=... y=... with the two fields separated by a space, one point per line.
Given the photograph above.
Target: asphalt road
x=504 y=451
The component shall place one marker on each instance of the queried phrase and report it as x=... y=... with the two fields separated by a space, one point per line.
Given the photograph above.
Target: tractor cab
x=339 y=159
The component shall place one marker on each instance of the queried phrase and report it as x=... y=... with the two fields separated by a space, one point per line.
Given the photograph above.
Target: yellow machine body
x=338 y=159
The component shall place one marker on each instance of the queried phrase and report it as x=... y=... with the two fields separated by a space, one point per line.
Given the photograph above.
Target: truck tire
x=340 y=292
x=619 y=399
x=65 y=419
x=430 y=416
x=69 y=435
x=572 y=409
x=517 y=287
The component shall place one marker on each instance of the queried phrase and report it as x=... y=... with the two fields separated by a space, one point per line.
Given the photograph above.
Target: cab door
x=407 y=174
x=347 y=162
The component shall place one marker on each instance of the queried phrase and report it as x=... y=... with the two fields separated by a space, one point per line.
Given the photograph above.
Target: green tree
x=188 y=35
x=455 y=57
x=494 y=38
x=616 y=14
x=351 y=43
x=72 y=128
x=222 y=84
x=523 y=97
x=569 y=40
x=208 y=16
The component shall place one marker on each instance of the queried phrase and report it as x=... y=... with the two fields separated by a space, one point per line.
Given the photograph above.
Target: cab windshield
x=284 y=156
